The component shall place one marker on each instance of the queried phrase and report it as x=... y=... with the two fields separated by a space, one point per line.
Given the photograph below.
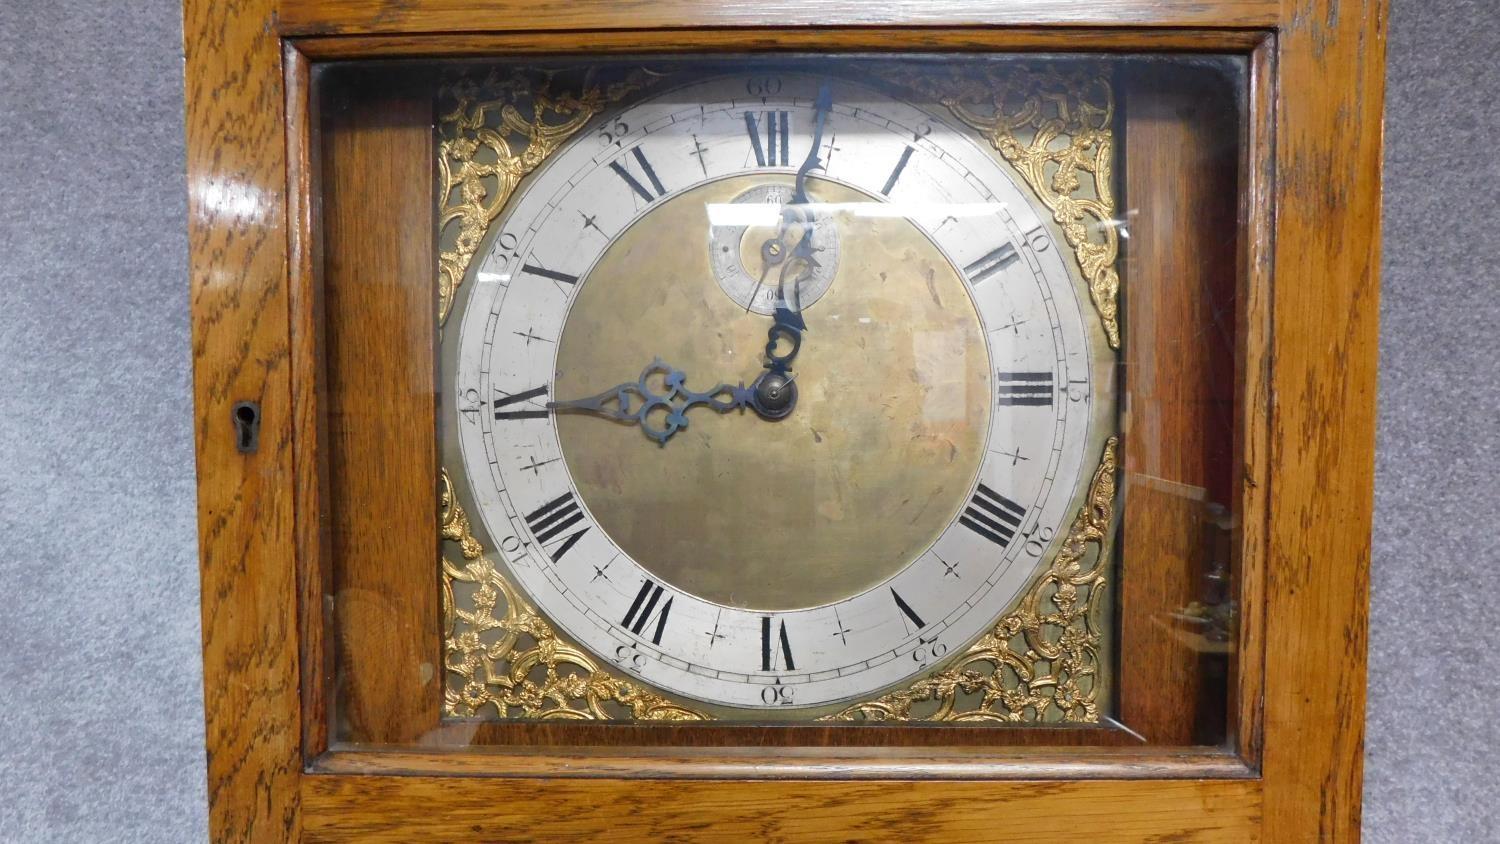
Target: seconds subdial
x=739 y=263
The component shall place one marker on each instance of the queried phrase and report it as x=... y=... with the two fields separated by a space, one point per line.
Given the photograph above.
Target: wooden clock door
x=1194 y=191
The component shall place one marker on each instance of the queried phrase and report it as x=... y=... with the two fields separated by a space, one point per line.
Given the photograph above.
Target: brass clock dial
x=776 y=391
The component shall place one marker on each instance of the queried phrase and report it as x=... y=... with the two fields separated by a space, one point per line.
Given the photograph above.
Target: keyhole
x=246 y=415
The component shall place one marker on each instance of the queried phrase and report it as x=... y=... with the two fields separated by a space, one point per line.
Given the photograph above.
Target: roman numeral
x=907 y=611
x=1028 y=389
x=552 y=519
x=992 y=263
x=650 y=194
x=770 y=656
x=640 y=611
x=777 y=132
x=890 y=183
x=532 y=269
x=992 y=515
x=504 y=401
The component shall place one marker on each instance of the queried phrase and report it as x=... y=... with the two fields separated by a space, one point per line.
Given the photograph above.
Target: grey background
x=100 y=699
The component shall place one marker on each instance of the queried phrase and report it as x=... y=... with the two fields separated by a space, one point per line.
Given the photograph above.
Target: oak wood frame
x=1295 y=770
x=378 y=398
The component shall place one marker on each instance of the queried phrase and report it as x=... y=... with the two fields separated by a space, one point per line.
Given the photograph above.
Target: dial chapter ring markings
x=549 y=569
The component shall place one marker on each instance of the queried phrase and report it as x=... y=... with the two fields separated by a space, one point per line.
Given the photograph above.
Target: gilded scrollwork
x=1040 y=662
x=491 y=133
x=504 y=660
x=1056 y=128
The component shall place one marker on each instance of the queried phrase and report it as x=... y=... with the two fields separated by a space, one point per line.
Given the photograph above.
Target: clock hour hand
x=634 y=402
x=773 y=394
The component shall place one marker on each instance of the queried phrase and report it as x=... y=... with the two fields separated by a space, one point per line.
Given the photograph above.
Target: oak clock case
x=1186 y=660
x=778 y=392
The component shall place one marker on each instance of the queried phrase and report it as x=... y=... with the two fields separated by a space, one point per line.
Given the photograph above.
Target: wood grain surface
x=309 y=425
x=309 y=17
x=1252 y=479
x=800 y=763
x=1181 y=151
x=377 y=809
x=1183 y=136
x=1323 y=355
x=757 y=39
x=237 y=238
x=380 y=403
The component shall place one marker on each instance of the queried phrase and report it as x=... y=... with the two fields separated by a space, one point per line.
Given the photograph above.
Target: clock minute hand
x=632 y=402
x=774 y=393
x=789 y=324
x=821 y=108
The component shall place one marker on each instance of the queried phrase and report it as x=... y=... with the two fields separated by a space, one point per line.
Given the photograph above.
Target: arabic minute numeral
x=1037 y=539
x=763 y=86
x=628 y=657
x=1078 y=390
x=614 y=133
x=469 y=404
x=927 y=650
x=507 y=241
x=1038 y=239
x=777 y=695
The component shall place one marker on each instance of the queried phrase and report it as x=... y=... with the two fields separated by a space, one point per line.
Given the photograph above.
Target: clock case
x=1087 y=656
x=350 y=744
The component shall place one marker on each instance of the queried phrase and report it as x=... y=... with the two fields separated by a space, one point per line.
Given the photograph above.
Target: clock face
x=775 y=390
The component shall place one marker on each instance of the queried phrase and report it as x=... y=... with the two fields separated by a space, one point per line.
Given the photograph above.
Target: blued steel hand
x=772 y=253
x=633 y=401
x=774 y=393
x=788 y=317
x=821 y=108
